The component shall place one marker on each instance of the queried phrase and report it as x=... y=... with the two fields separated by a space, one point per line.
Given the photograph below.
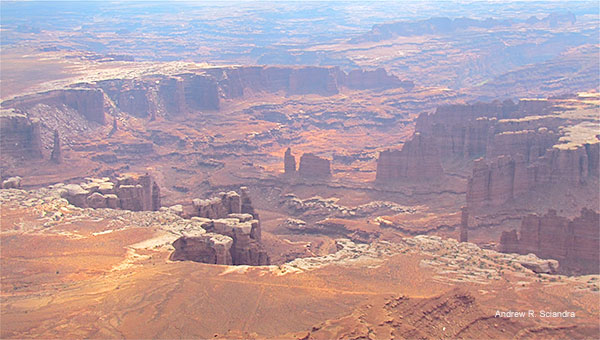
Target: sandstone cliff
x=312 y=166
x=129 y=192
x=506 y=177
x=418 y=160
x=574 y=243
x=88 y=102
x=19 y=135
x=234 y=232
x=289 y=162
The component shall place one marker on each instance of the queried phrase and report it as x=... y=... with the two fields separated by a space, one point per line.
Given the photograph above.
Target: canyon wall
x=574 y=243
x=312 y=166
x=504 y=178
x=514 y=151
x=418 y=160
x=19 y=135
x=89 y=102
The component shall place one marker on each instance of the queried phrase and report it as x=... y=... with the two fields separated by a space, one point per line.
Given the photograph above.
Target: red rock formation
x=419 y=159
x=219 y=206
x=504 y=178
x=312 y=166
x=230 y=214
x=206 y=248
x=88 y=102
x=201 y=92
x=464 y=225
x=138 y=192
x=289 y=162
x=377 y=79
x=19 y=136
x=575 y=244
x=529 y=143
x=314 y=79
x=130 y=96
x=128 y=192
x=56 y=155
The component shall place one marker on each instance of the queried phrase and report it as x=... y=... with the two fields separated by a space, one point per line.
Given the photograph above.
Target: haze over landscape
x=300 y=170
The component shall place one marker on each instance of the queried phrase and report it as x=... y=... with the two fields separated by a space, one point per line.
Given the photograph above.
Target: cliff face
x=376 y=79
x=418 y=160
x=234 y=232
x=518 y=148
x=312 y=166
x=88 y=102
x=129 y=192
x=202 y=90
x=506 y=177
x=19 y=136
x=574 y=243
x=289 y=162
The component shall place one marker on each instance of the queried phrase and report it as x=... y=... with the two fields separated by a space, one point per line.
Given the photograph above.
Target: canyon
x=299 y=170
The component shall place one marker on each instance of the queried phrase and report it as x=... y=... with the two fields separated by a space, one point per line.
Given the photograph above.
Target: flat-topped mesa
x=219 y=206
x=224 y=204
x=88 y=102
x=19 y=136
x=229 y=214
x=289 y=162
x=203 y=247
x=128 y=192
x=418 y=160
x=313 y=166
x=574 y=243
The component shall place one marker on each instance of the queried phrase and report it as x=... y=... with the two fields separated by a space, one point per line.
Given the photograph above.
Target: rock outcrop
x=289 y=162
x=89 y=102
x=128 y=192
x=376 y=79
x=313 y=166
x=19 y=135
x=513 y=150
x=418 y=160
x=464 y=224
x=219 y=206
x=230 y=216
x=203 y=247
x=506 y=177
x=574 y=243
x=11 y=183
x=56 y=155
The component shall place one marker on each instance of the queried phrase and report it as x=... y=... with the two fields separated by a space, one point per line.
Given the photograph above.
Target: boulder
x=12 y=183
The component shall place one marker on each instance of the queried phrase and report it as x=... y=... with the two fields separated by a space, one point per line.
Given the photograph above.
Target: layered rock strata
x=574 y=243
x=129 y=192
x=19 y=135
x=313 y=166
x=418 y=159
x=89 y=102
x=504 y=178
x=230 y=216
x=512 y=151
